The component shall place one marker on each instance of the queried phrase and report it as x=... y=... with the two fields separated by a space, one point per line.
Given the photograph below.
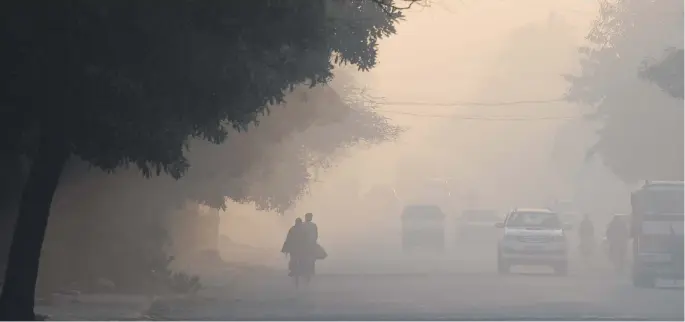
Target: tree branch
x=388 y=6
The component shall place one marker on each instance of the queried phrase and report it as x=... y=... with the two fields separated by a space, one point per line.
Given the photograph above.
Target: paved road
x=405 y=288
x=479 y=295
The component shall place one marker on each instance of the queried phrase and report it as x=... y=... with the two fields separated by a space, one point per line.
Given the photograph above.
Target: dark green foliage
x=176 y=282
x=139 y=77
x=354 y=29
x=129 y=81
x=120 y=82
x=185 y=284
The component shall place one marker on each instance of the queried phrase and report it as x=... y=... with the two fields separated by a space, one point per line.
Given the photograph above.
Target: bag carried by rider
x=319 y=252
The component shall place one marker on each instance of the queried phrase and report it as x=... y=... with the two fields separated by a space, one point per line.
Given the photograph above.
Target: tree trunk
x=18 y=292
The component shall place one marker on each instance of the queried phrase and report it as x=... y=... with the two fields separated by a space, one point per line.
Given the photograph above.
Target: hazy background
x=494 y=157
x=468 y=107
x=473 y=104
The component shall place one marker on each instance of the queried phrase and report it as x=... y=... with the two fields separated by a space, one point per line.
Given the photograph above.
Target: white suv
x=532 y=237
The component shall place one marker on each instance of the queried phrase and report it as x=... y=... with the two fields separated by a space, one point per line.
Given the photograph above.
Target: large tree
x=268 y=166
x=129 y=82
x=641 y=128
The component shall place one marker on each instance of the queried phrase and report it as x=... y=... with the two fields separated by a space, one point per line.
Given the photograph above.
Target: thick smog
x=342 y=160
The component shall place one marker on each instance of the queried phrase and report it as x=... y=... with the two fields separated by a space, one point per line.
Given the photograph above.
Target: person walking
x=310 y=247
x=293 y=247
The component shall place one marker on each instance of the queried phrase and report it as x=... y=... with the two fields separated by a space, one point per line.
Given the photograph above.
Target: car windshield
x=534 y=220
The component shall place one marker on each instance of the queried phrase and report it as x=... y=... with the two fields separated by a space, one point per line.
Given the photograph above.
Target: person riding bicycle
x=304 y=250
x=293 y=248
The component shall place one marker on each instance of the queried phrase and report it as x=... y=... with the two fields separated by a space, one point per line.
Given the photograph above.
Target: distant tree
x=667 y=73
x=128 y=82
x=641 y=132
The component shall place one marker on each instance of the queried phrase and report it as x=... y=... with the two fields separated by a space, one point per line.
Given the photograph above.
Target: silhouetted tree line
x=112 y=84
x=640 y=136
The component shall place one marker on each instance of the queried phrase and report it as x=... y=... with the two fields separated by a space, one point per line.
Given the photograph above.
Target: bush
x=176 y=282
x=185 y=283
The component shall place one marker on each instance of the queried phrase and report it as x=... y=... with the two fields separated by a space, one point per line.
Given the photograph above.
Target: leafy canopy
x=128 y=82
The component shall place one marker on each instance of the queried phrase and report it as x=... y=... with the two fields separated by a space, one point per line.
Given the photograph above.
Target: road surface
x=453 y=286
x=470 y=295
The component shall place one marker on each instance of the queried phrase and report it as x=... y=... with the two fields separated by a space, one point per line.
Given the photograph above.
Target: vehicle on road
x=423 y=228
x=657 y=232
x=533 y=237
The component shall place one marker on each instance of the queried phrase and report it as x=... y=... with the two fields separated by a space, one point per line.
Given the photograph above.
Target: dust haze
x=474 y=105
x=476 y=53
x=501 y=152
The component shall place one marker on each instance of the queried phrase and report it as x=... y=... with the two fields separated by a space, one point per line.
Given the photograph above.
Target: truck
x=657 y=232
x=423 y=228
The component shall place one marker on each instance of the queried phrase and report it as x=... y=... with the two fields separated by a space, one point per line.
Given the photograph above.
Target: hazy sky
x=449 y=45
x=446 y=53
x=453 y=50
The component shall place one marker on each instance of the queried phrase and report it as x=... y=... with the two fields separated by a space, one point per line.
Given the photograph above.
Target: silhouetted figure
x=293 y=246
x=311 y=230
x=310 y=247
x=302 y=247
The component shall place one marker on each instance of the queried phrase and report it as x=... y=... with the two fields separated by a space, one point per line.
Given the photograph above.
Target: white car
x=533 y=237
x=423 y=227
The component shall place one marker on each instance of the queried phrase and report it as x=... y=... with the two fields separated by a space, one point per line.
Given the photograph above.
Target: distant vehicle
x=533 y=237
x=657 y=231
x=423 y=227
x=477 y=225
